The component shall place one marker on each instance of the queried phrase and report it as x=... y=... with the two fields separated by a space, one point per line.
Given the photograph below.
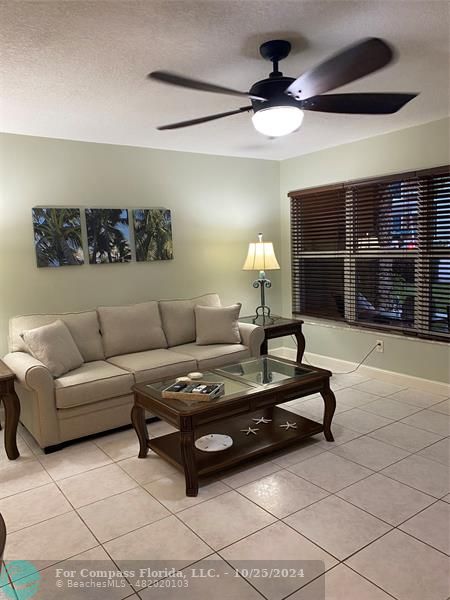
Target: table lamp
x=261 y=257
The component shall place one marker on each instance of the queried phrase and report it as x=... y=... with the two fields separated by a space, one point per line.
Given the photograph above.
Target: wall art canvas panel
x=57 y=237
x=108 y=234
x=153 y=234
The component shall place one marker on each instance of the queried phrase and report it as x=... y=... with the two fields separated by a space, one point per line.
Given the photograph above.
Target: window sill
x=363 y=330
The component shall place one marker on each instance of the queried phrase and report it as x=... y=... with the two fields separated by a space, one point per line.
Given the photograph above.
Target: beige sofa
x=120 y=346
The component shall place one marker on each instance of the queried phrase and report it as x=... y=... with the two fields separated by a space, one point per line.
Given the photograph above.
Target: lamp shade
x=260 y=257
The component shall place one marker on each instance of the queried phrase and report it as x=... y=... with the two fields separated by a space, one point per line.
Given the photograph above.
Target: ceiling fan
x=278 y=102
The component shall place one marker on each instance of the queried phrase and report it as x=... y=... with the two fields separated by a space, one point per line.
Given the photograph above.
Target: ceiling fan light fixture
x=277 y=120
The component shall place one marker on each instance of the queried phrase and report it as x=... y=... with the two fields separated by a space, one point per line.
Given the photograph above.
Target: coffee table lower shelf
x=269 y=437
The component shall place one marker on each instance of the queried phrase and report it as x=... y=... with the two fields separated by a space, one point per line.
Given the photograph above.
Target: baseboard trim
x=337 y=365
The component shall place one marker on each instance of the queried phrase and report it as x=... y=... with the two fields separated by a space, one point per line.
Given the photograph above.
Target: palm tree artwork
x=57 y=237
x=153 y=234
x=108 y=235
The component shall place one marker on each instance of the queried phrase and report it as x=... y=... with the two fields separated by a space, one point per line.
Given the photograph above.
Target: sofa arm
x=36 y=390
x=30 y=372
x=252 y=336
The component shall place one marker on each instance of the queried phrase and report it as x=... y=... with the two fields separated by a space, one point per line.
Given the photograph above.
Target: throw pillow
x=53 y=345
x=217 y=325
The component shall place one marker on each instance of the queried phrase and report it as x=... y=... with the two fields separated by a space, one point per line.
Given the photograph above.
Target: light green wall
x=408 y=149
x=218 y=205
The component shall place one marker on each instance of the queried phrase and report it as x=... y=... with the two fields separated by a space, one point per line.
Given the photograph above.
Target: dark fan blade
x=362 y=104
x=352 y=63
x=204 y=119
x=195 y=84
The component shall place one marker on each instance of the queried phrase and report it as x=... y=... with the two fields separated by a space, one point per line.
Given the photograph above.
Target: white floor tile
x=119 y=445
x=95 y=485
x=225 y=519
x=417 y=398
x=223 y=583
x=361 y=421
x=33 y=506
x=167 y=541
x=386 y=407
x=281 y=547
x=370 y=453
x=20 y=475
x=145 y=470
x=340 y=583
x=405 y=436
x=95 y=560
x=430 y=421
x=353 y=398
x=73 y=460
x=282 y=493
x=432 y=526
x=440 y=452
x=404 y=567
x=250 y=472
x=337 y=526
x=51 y=541
x=386 y=498
x=347 y=379
x=379 y=388
x=171 y=492
x=330 y=472
x=293 y=456
x=114 y=516
x=442 y=407
x=340 y=434
x=422 y=474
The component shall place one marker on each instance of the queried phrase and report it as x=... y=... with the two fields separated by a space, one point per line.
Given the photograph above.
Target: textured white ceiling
x=77 y=69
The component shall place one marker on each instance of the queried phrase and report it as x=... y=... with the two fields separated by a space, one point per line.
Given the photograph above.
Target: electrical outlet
x=380 y=346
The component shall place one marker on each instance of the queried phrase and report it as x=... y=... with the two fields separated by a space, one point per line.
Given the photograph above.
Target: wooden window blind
x=375 y=253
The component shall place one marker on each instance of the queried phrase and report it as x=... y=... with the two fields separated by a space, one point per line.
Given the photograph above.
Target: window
x=375 y=253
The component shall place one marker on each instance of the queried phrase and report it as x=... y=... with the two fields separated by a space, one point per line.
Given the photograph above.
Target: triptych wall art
x=58 y=235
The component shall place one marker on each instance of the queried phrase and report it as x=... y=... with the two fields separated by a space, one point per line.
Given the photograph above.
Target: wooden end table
x=12 y=410
x=275 y=327
x=253 y=389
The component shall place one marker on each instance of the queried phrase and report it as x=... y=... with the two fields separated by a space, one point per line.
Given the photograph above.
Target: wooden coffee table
x=253 y=388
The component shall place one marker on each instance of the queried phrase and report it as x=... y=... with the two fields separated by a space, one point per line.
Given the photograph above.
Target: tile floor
x=374 y=506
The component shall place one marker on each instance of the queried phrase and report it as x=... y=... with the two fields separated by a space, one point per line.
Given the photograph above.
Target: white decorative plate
x=214 y=442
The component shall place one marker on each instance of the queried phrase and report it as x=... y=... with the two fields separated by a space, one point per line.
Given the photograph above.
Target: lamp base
x=262 y=316
x=262 y=311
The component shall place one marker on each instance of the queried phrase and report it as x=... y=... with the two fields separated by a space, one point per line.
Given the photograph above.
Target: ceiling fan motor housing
x=273 y=89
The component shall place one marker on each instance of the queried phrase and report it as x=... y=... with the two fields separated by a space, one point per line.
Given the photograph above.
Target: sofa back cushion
x=132 y=328
x=178 y=317
x=83 y=326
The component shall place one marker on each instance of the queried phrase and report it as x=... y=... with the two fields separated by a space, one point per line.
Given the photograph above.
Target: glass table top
x=238 y=379
x=264 y=370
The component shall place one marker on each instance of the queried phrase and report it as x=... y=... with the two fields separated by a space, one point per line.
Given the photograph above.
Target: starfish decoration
x=262 y=420
x=249 y=431
x=288 y=425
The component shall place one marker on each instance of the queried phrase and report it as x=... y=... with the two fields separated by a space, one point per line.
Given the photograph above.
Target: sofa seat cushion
x=92 y=382
x=216 y=355
x=155 y=365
